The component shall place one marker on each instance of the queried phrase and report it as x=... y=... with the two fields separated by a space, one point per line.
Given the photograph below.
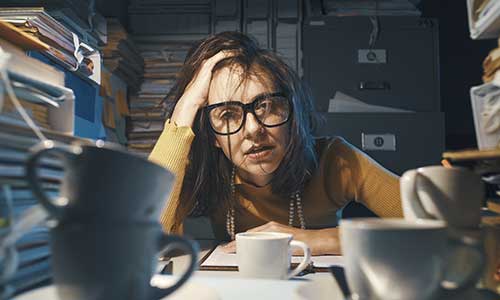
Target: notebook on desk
x=218 y=260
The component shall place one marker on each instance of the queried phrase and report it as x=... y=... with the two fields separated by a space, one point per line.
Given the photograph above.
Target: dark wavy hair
x=206 y=185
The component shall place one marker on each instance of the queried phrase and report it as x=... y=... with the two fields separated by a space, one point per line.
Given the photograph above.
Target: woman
x=239 y=141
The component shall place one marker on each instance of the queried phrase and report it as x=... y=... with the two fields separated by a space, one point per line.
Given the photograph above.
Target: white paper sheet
x=345 y=103
x=219 y=258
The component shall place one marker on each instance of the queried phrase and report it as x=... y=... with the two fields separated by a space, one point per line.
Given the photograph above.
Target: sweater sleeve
x=171 y=152
x=358 y=177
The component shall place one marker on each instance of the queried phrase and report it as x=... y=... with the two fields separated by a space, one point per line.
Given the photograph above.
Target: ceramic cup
x=454 y=195
x=396 y=259
x=268 y=255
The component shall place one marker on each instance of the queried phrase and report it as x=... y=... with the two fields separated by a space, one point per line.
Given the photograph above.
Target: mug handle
x=305 y=262
x=169 y=242
x=55 y=207
x=410 y=192
x=474 y=246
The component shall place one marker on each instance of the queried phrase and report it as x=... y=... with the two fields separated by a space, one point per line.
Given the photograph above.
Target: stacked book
x=484 y=18
x=491 y=66
x=16 y=199
x=121 y=56
x=79 y=16
x=64 y=46
x=38 y=86
x=148 y=107
x=41 y=92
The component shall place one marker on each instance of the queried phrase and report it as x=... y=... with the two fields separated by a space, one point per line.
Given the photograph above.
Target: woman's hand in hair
x=321 y=241
x=196 y=92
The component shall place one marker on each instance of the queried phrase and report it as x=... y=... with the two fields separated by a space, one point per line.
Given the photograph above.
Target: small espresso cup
x=397 y=259
x=454 y=195
x=268 y=255
x=113 y=261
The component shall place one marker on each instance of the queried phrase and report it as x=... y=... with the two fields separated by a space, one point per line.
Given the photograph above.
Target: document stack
x=484 y=22
x=40 y=90
x=65 y=46
x=484 y=18
x=148 y=108
x=122 y=57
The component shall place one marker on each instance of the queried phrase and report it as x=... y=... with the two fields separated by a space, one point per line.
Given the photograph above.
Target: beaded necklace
x=295 y=202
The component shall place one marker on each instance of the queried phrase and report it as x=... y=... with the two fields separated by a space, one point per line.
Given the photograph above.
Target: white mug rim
x=454 y=169
x=264 y=235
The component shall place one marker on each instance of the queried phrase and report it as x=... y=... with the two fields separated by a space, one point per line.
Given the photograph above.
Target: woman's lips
x=260 y=155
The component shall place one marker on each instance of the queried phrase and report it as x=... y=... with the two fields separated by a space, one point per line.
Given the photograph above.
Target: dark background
x=460 y=62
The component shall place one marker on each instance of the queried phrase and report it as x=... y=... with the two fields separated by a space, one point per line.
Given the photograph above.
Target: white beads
x=295 y=201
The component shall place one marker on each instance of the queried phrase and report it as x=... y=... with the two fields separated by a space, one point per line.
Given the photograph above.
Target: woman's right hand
x=195 y=94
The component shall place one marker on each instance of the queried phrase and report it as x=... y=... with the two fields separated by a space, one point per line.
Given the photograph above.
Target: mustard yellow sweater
x=344 y=173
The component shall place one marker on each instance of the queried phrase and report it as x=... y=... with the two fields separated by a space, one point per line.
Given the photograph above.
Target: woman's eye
x=228 y=115
x=264 y=106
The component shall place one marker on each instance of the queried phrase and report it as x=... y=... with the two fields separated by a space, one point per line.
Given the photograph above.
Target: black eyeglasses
x=270 y=110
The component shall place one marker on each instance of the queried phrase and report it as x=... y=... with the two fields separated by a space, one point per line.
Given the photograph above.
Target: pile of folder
x=38 y=86
x=121 y=55
x=115 y=107
x=148 y=107
x=491 y=65
x=64 y=46
x=16 y=198
x=41 y=92
x=484 y=18
x=79 y=16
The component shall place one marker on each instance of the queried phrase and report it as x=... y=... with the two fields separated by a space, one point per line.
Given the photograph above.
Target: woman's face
x=256 y=150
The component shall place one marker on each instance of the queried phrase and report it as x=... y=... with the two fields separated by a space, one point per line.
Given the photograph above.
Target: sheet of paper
x=345 y=103
x=219 y=258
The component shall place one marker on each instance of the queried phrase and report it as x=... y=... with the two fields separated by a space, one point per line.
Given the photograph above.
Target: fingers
x=205 y=71
x=272 y=226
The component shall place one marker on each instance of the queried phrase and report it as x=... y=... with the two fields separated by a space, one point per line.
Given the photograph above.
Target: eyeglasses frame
x=248 y=107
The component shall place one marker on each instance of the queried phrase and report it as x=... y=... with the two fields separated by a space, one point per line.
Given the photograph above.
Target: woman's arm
x=353 y=175
x=320 y=241
x=171 y=152
x=172 y=148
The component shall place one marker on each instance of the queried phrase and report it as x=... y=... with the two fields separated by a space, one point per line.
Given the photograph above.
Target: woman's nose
x=252 y=125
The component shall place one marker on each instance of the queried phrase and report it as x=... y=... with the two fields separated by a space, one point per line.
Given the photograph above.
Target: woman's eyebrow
x=261 y=95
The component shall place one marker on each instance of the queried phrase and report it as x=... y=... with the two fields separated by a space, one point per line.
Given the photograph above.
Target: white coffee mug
x=397 y=259
x=454 y=195
x=268 y=255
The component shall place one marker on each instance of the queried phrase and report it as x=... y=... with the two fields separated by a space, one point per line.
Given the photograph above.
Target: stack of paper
x=39 y=88
x=122 y=57
x=79 y=16
x=148 y=107
x=32 y=248
x=65 y=46
x=115 y=107
x=491 y=66
x=484 y=21
x=343 y=103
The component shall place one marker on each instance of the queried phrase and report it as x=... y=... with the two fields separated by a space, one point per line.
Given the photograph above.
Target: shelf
x=472 y=155
x=487 y=25
x=480 y=161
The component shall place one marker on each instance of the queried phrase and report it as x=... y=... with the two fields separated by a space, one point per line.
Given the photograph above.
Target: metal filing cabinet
x=400 y=70
x=397 y=141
